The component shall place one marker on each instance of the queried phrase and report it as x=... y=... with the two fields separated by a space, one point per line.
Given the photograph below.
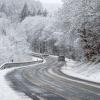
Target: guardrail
x=39 y=55
x=10 y=65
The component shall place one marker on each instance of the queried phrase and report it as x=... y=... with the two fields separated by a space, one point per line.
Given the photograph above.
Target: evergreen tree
x=3 y=8
x=45 y=13
x=33 y=12
x=39 y=13
x=24 y=12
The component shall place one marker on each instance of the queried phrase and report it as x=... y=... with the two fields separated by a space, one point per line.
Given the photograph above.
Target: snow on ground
x=6 y=92
x=88 y=71
x=35 y=59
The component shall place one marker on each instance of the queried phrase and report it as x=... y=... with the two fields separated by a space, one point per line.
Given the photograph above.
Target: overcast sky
x=50 y=1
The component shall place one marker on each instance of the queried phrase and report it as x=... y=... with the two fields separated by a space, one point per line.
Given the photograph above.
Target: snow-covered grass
x=88 y=71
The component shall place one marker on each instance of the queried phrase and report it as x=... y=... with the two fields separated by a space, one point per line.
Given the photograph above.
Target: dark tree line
x=26 y=12
x=18 y=11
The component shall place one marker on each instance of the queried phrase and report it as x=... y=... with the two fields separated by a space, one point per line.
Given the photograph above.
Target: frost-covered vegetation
x=13 y=42
x=73 y=31
x=79 y=21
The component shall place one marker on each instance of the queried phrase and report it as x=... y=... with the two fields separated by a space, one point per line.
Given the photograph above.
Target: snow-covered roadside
x=6 y=92
x=89 y=72
x=36 y=59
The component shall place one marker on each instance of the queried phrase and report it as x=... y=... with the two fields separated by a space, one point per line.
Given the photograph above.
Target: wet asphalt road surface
x=37 y=83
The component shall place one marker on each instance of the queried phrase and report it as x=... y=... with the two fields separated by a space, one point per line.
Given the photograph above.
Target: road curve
x=37 y=82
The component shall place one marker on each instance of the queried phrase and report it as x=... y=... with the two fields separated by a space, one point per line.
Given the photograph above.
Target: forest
x=72 y=31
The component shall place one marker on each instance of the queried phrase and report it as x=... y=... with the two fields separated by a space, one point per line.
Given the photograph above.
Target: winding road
x=45 y=82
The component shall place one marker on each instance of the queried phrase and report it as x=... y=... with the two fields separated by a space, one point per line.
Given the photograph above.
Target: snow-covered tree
x=89 y=30
x=13 y=44
x=14 y=8
x=45 y=13
x=24 y=12
x=78 y=15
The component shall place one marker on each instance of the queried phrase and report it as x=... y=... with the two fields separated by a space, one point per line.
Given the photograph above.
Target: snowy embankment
x=6 y=92
x=90 y=72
